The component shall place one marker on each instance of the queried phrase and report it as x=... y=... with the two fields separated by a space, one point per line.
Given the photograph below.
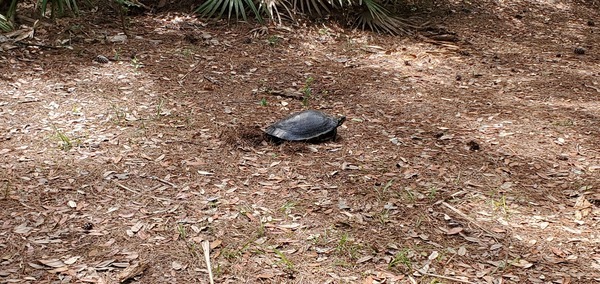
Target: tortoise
x=310 y=126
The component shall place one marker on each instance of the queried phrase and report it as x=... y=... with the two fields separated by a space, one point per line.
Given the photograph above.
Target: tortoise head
x=341 y=120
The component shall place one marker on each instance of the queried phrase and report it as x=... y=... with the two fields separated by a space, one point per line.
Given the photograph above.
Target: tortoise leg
x=329 y=136
x=274 y=140
x=334 y=135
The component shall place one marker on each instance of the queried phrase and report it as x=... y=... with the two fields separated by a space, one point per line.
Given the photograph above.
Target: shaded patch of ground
x=120 y=171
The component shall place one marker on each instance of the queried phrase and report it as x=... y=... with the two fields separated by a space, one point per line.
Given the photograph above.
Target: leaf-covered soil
x=470 y=153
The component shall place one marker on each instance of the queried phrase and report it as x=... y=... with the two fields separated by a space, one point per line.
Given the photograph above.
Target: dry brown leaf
x=214 y=244
x=59 y=270
x=410 y=173
x=176 y=265
x=132 y=271
x=120 y=264
x=36 y=266
x=364 y=259
x=348 y=166
x=557 y=251
x=265 y=275
x=71 y=260
x=462 y=251
x=116 y=159
x=292 y=226
x=454 y=231
x=522 y=263
x=22 y=229
x=131 y=255
x=583 y=207
x=138 y=226
x=105 y=263
x=54 y=263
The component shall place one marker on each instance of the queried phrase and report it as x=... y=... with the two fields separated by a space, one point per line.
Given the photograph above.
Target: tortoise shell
x=309 y=125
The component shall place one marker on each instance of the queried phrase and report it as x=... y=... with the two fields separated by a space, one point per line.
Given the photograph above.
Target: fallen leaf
x=138 y=226
x=132 y=271
x=347 y=166
x=177 y=265
x=265 y=276
x=557 y=251
x=36 y=266
x=105 y=263
x=121 y=264
x=522 y=263
x=495 y=246
x=22 y=229
x=54 y=263
x=364 y=259
x=454 y=231
x=446 y=137
x=71 y=260
x=410 y=173
x=59 y=270
x=289 y=226
x=215 y=243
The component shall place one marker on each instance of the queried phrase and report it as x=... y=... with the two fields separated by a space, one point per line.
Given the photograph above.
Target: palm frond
x=377 y=18
x=5 y=24
x=59 y=7
x=312 y=6
x=341 y=3
x=12 y=10
x=380 y=21
x=375 y=9
x=271 y=8
x=217 y=8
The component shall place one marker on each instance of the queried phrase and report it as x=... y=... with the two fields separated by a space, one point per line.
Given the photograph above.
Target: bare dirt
x=470 y=153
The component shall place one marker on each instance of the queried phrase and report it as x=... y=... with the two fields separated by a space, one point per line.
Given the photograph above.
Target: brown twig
x=470 y=220
x=449 y=278
x=206 y=249
x=180 y=81
x=127 y=188
x=164 y=181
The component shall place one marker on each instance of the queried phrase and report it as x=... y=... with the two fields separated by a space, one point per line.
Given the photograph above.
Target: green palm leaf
x=238 y=7
x=5 y=24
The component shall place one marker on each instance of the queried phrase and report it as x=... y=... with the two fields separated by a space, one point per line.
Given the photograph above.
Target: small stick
x=469 y=219
x=126 y=188
x=206 y=249
x=188 y=73
x=448 y=278
x=164 y=181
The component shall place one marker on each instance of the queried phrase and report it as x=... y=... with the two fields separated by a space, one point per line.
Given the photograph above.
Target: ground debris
x=460 y=169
